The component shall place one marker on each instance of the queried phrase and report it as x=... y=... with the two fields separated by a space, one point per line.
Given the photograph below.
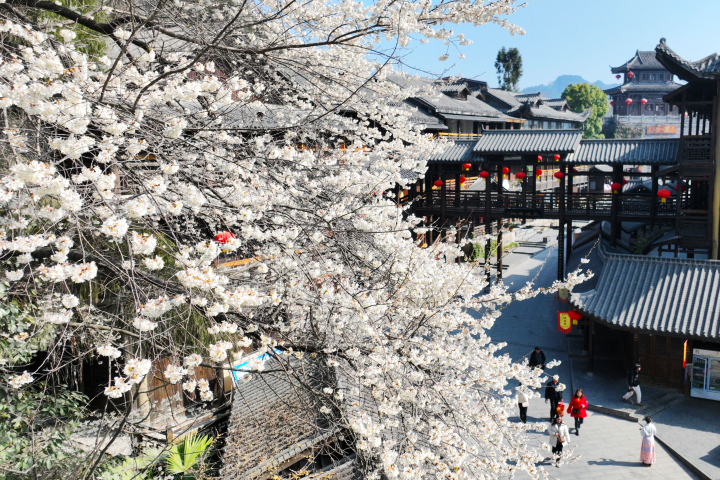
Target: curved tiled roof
x=543 y=111
x=638 y=87
x=707 y=68
x=662 y=151
x=472 y=106
x=556 y=103
x=528 y=141
x=273 y=421
x=655 y=294
x=644 y=60
x=457 y=151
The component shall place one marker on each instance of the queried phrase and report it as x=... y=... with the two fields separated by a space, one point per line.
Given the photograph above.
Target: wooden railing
x=696 y=149
x=547 y=204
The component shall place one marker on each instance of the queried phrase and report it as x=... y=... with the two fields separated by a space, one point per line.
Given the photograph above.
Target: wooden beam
x=715 y=195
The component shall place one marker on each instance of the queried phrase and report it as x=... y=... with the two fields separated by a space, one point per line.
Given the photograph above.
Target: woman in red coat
x=578 y=409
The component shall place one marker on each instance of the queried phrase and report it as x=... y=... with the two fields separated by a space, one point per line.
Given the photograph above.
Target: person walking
x=537 y=359
x=523 y=401
x=634 y=385
x=559 y=436
x=647 y=450
x=553 y=394
x=578 y=409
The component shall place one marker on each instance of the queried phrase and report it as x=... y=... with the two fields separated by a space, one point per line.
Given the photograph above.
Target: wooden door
x=661 y=360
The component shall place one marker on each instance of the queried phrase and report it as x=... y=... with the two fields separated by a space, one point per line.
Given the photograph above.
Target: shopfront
x=705 y=374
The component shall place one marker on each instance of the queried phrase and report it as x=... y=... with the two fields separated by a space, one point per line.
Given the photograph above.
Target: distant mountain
x=555 y=88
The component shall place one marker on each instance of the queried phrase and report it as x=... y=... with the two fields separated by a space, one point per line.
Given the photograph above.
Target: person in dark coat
x=553 y=395
x=537 y=359
x=633 y=379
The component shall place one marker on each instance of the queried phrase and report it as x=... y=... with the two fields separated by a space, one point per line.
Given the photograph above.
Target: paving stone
x=609 y=446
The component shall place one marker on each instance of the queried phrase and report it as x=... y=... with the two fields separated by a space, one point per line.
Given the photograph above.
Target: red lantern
x=463 y=179
x=575 y=315
x=575 y=170
x=538 y=172
x=224 y=237
x=631 y=74
x=557 y=157
x=643 y=101
x=520 y=176
x=628 y=101
x=484 y=174
x=618 y=76
x=624 y=181
x=663 y=194
x=616 y=187
x=560 y=409
x=467 y=166
x=540 y=156
x=612 y=103
x=505 y=170
x=438 y=183
x=559 y=175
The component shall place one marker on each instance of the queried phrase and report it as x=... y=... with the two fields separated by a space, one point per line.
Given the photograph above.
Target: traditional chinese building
x=666 y=309
x=639 y=101
x=466 y=108
x=539 y=113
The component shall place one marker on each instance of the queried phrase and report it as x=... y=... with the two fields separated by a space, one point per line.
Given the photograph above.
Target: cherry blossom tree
x=135 y=132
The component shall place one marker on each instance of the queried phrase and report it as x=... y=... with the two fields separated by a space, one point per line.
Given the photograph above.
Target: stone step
x=657 y=404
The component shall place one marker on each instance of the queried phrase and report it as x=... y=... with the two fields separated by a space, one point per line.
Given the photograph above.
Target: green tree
x=582 y=96
x=509 y=68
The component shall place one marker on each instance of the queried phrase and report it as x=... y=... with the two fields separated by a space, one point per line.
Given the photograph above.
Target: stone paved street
x=609 y=446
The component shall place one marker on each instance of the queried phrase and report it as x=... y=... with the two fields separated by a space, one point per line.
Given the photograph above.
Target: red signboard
x=657 y=129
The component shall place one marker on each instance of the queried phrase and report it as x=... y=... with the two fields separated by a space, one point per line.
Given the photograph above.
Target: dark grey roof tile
x=628 y=151
x=652 y=294
x=643 y=60
x=528 y=141
x=458 y=151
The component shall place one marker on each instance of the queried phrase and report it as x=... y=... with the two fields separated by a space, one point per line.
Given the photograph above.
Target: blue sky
x=578 y=37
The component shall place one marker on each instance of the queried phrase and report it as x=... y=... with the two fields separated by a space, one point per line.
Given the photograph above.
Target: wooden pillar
x=523 y=186
x=498 y=277
x=568 y=241
x=591 y=347
x=500 y=179
x=614 y=223
x=428 y=190
x=456 y=200
x=683 y=109
x=570 y=175
x=653 y=195
x=561 y=226
x=443 y=198
x=488 y=226
x=488 y=245
x=714 y=227
x=533 y=178
x=430 y=233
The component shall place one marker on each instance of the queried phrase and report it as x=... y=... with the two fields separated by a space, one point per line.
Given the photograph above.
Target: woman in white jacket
x=523 y=401
x=559 y=436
